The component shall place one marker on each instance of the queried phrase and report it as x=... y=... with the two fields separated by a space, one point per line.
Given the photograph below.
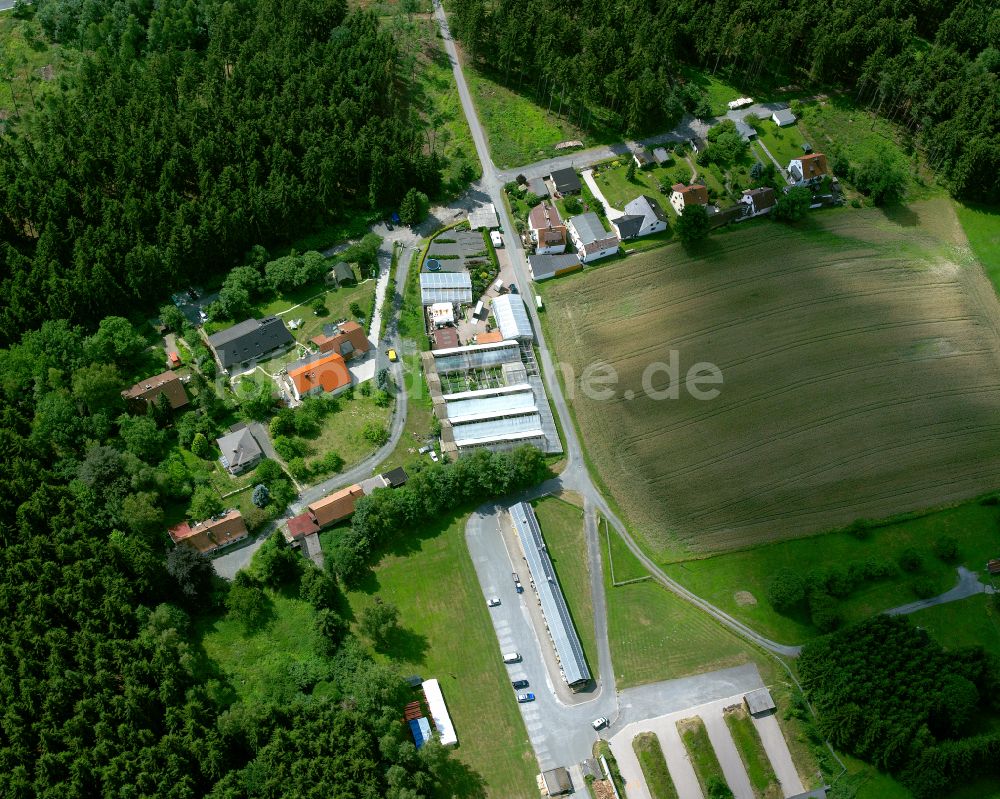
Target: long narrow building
x=557 y=618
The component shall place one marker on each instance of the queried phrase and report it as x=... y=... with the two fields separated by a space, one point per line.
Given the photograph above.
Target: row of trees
x=187 y=134
x=886 y=692
x=929 y=65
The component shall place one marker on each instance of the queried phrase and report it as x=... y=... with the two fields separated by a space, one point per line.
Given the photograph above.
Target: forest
x=931 y=66
x=190 y=132
x=886 y=692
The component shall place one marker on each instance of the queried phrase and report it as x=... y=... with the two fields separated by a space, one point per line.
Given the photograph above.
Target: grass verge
x=748 y=744
x=701 y=752
x=654 y=766
x=981 y=224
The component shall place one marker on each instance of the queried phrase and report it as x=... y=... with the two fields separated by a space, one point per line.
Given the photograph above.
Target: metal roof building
x=439 y=712
x=438 y=287
x=484 y=217
x=759 y=702
x=476 y=357
x=512 y=317
x=557 y=617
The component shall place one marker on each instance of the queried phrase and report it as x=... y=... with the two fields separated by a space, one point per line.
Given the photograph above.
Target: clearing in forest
x=860 y=354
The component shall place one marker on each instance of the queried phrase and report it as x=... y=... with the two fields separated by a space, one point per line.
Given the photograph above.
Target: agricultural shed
x=538 y=187
x=545 y=266
x=759 y=702
x=438 y=287
x=512 y=317
x=567 y=644
x=557 y=781
x=439 y=712
x=485 y=216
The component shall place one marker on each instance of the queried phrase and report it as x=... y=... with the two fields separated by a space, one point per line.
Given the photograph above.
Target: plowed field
x=861 y=364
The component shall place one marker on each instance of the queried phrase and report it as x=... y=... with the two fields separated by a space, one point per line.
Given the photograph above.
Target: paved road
x=968 y=585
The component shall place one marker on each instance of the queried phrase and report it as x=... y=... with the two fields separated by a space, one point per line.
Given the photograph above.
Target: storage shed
x=512 y=317
x=759 y=702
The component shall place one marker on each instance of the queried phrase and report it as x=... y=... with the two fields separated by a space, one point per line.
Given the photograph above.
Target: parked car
x=522 y=698
x=519 y=683
x=493 y=601
x=511 y=657
x=513 y=288
x=392 y=355
x=600 y=721
x=517 y=583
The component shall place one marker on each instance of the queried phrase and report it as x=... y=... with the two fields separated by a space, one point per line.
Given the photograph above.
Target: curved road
x=575 y=477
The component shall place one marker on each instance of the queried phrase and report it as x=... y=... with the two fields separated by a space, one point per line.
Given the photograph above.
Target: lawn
x=654 y=766
x=448 y=635
x=748 y=744
x=718 y=91
x=859 y=377
x=36 y=65
x=619 y=190
x=783 y=143
x=622 y=562
x=342 y=430
x=562 y=527
x=981 y=224
x=263 y=665
x=737 y=582
x=970 y=622
x=701 y=752
x=655 y=635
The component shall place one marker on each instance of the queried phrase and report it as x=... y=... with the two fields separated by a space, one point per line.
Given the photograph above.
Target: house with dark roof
x=148 y=392
x=642 y=216
x=538 y=187
x=566 y=181
x=250 y=340
x=682 y=196
x=545 y=266
x=240 y=451
x=808 y=169
x=547 y=229
x=341 y=273
x=643 y=159
x=591 y=239
x=757 y=201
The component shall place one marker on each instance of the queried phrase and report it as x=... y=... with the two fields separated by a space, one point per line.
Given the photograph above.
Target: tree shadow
x=902 y=215
x=457 y=780
x=404 y=644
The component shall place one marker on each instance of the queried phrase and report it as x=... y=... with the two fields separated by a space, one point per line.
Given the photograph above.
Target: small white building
x=442 y=313
x=496 y=238
x=783 y=117
x=740 y=102
x=591 y=239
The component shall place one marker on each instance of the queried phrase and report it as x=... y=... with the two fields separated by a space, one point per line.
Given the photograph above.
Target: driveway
x=777 y=752
x=588 y=178
x=968 y=585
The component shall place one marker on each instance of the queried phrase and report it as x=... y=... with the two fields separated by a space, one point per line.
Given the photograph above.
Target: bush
x=330 y=462
x=910 y=560
x=204 y=504
x=276 y=562
x=289 y=448
x=375 y=433
x=382 y=399
x=261 y=495
x=246 y=602
x=379 y=621
x=200 y=446
x=945 y=547
x=298 y=468
x=923 y=588
x=786 y=590
x=824 y=612
x=329 y=630
x=366 y=389
x=572 y=205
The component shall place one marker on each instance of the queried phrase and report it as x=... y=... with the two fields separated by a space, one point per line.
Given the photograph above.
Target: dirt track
x=861 y=364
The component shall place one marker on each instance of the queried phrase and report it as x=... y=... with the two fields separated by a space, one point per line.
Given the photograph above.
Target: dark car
x=513 y=288
x=519 y=683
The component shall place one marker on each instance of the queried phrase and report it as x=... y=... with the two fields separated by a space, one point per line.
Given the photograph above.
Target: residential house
x=208 y=535
x=808 y=168
x=347 y=339
x=148 y=392
x=538 y=187
x=240 y=451
x=340 y=274
x=566 y=181
x=250 y=340
x=547 y=229
x=336 y=507
x=545 y=266
x=174 y=360
x=747 y=132
x=783 y=118
x=441 y=314
x=591 y=239
x=642 y=216
x=698 y=144
x=682 y=196
x=327 y=374
x=757 y=201
x=643 y=159
x=661 y=156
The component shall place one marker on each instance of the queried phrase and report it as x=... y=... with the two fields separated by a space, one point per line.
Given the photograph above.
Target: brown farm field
x=860 y=354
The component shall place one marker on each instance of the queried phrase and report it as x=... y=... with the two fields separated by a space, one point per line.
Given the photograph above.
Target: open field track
x=861 y=364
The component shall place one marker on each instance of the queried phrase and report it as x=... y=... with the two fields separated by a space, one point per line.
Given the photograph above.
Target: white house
x=682 y=196
x=591 y=239
x=783 y=117
x=547 y=229
x=642 y=216
x=808 y=168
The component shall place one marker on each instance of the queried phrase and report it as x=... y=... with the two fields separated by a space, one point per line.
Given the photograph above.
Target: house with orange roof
x=347 y=339
x=808 y=168
x=210 y=534
x=148 y=392
x=327 y=374
x=682 y=196
x=335 y=507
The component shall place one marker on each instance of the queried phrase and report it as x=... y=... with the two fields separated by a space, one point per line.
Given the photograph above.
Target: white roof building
x=512 y=318
x=439 y=712
x=442 y=313
x=437 y=287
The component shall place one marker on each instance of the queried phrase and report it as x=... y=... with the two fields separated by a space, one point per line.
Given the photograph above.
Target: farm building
x=682 y=196
x=240 y=451
x=485 y=216
x=783 y=117
x=807 y=169
x=538 y=187
x=643 y=159
x=642 y=216
x=325 y=374
x=250 y=340
x=348 y=339
x=661 y=156
x=591 y=239
x=452 y=287
x=148 y=392
x=757 y=201
x=566 y=181
x=547 y=229
x=545 y=266
x=441 y=314
x=208 y=535
x=567 y=644
x=444 y=338
x=556 y=781
x=489 y=396
x=512 y=317
x=439 y=712
x=759 y=702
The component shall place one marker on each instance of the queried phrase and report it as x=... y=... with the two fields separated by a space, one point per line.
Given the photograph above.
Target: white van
x=511 y=657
